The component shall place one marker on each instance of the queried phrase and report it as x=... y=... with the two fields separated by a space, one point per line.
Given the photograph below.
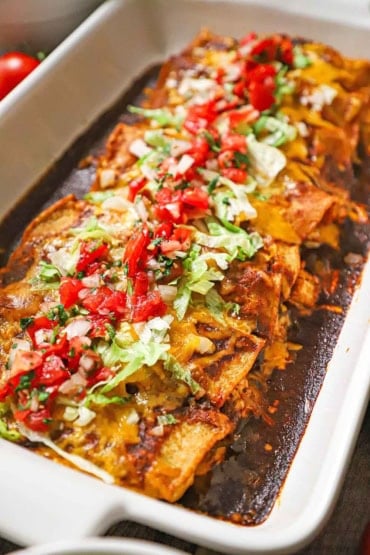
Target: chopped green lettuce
x=180 y=373
x=162 y=116
x=135 y=356
x=235 y=241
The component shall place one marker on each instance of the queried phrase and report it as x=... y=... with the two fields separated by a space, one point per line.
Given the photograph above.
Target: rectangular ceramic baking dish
x=42 y=501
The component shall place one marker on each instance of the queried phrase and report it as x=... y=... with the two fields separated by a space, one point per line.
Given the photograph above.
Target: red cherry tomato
x=14 y=67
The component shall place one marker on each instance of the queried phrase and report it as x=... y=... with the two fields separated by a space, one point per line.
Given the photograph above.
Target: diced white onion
x=43 y=336
x=179 y=147
x=141 y=210
x=132 y=417
x=77 y=328
x=148 y=172
x=184 y=164
x=73 y=385
x=87 y=363
x=205 y=345
x=117 y=203
x=85 y=416
x=91 y=281
x=70 y=414
x=139 y=148
x=20 y=345
x=157 y=431
x=107 y=177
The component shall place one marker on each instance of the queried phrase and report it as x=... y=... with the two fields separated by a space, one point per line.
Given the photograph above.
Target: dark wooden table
x=341 y=536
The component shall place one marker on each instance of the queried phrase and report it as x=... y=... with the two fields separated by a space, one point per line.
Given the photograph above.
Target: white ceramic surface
x=40 y=24
x=38 y=121
x=100 y=546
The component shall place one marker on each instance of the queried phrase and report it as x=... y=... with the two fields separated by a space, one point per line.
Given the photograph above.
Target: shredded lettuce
x=180 y=373
x=300 y=60
x=162 y=116
x=280 y=131
x=266 y=161
x=77 y=461
x=218 y=306
x=198 y=277
x=135 y=356
x=156 y=139
x=48 y=272
x=5 y=432
x=103 y=400
x=97 y=197
x=234 y=240
x=92 y=230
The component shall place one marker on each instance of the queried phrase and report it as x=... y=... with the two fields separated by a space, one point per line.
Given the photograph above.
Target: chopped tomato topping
x=135 y=249
x=235 y=174
x=135 y=186
x=69 y=290
x=89 y=253
x=148 y=306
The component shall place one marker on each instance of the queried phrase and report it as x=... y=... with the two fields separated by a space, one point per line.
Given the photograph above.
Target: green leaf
x=135 y=356
x=25 y=322
x=166 y=420
x=300 y=60
x=48 y=272
x=180 y=373
x=103 y=400
x=5 y=433
x=92 y=230
x=97 y=197
x=156 y=139
x=235 y=241
x=162 y=116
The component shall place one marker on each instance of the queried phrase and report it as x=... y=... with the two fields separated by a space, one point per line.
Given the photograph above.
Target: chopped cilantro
x=25 y=322
x=240 y=159
x=166 y=419
x=25 y=381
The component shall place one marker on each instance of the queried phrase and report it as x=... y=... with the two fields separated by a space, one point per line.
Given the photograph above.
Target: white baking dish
x=42 y=501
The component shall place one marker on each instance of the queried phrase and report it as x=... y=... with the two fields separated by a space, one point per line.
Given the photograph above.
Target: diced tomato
x=99 y=325
x=163 y=230
x=235 y=174
x=286 y=51
x=169 y=205
x=135 y=249
x=226 y=159
x=5 y=390
x=247 y=114
x=89 y=253
x=234 y=142
x=69 y=290
x=141 y=284
x=261 y=95
x=59 y=348
x=101 y=375
x=24 y=362
x=36 y=421
x=196 y=197
x=199 y=150
x=52 y=371
x=240 y=88
x=114 y=302
x=135 y=186
x=247 y=39
x=148 y=306
x=200 y=116
x=183 y=235
x=265 y=50
x=260 y=73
